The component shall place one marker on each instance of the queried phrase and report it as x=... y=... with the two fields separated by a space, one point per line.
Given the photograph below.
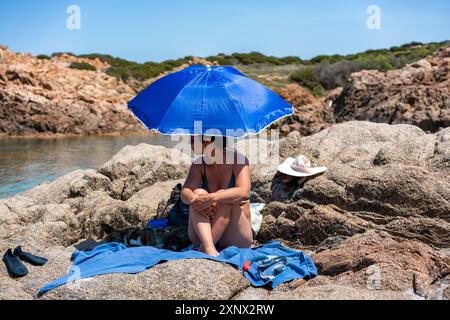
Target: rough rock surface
x=394 y=178
x=400 y=265
x=384 y=203
x=74 y=206
x=417 y=94
x=184 y=279
x=311 y=114
x=376 y=224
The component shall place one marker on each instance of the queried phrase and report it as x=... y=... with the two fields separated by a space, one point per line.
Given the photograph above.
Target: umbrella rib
x=194 y=80
x=204 y=92
x=230 y=96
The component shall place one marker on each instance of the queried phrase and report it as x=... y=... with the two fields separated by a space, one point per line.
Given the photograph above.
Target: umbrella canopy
x=208 y=101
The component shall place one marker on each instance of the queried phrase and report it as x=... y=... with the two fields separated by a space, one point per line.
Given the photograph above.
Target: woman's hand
x=204 y=204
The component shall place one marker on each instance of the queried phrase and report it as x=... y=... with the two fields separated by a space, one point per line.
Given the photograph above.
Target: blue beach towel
x=117 y=258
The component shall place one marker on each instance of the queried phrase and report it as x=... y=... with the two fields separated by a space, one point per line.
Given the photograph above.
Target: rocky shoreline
x=377 y=224
x=49 y=136
x=46 y=97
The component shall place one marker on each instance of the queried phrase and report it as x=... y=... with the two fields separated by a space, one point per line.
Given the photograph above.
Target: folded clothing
x=116 y=257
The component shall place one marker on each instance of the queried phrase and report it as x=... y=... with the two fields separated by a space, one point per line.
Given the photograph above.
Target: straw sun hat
x=299 y=167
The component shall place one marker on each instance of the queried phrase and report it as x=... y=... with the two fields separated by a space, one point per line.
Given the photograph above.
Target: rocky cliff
x=417 y=94
x=311 y=114
x=377 y=224
x=46 y=96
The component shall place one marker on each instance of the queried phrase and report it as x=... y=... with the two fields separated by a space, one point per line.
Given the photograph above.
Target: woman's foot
x=209 y=250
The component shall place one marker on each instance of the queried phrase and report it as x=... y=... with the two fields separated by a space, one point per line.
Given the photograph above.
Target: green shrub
x=171 y=64
x=318 y=91
x=411 y=44
x=125 y=69
x=222 y=60
x=82 y=66
x=323 y=58
x=102 y=57
x=291 y=60
x=306 y=77
x=395 y=49
x=58 y=54
x=137 y=71
x=252 y=58
x=43 y=57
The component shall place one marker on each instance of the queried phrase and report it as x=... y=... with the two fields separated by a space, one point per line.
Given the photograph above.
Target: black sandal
x=30 y=258
x=13 y=264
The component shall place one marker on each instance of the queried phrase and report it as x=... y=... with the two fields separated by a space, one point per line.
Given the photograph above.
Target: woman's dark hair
x=224 y=141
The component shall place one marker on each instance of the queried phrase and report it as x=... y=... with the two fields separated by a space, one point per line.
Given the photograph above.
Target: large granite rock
x=184 y=279
x=394 y=178
x=136 y=167
x=369 y=266
x=376 y=260
x=74 y=206
x=376 y=224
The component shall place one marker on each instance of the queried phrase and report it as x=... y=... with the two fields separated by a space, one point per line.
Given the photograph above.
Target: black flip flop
x=30 y=258
x=13 y=264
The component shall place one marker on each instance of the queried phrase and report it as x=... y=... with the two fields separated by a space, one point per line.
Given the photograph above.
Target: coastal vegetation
x=82 y=66
x=329 y=72
x=318 y=74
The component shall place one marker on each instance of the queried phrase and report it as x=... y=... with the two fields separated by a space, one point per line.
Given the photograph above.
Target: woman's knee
x=200 y=191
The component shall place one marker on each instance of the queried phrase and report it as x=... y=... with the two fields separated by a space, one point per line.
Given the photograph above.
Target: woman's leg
x=239 y=228
x=221 y=221
x=230 y=226
x=199 y=230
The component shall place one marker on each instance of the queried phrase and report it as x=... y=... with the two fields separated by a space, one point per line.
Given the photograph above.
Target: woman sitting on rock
x=217 y=190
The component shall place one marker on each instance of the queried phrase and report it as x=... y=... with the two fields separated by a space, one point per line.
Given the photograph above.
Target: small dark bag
x=179 y=213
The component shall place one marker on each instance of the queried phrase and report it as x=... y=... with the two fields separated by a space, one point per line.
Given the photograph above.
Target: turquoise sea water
x=26 y=163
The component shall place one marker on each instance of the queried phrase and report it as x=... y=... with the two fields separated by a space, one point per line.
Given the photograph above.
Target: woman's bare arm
x=241 y=192
x=203 y=206
x=192 y=182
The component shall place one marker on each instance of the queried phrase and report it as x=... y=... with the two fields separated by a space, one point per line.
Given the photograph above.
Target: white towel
x=256 y=216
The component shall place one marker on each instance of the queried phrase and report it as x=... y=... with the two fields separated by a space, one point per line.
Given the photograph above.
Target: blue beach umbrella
x=208 y=101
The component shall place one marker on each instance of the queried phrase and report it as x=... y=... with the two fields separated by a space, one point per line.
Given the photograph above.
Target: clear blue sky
x=144 y=30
